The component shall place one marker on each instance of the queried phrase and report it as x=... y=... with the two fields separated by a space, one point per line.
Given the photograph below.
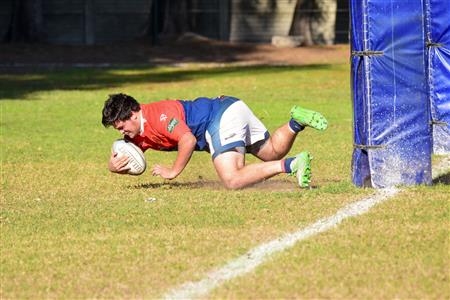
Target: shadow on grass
x=18 y=85
x=443 y=179
x=181 y=185
x=269 y=185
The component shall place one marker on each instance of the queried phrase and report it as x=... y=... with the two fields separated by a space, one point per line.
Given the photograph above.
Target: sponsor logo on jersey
x=172 y=123
x=162 y=117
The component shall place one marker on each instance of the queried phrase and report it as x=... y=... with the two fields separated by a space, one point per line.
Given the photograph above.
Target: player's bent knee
x=232 y=183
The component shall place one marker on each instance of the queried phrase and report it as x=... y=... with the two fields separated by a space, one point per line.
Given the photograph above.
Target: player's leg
x=227 y=137
x=281 y=141
x=277 y=145
x=233 y=172
x=236 y=127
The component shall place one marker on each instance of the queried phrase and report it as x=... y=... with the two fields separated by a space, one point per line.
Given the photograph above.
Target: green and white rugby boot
x=301 y=167
x=309 y=118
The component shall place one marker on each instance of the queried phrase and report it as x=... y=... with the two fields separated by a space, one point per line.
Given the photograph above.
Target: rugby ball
x=136 y=163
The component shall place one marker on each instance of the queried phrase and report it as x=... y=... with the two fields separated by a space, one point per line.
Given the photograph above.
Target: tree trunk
x=324 y=23
x=176 y=21
x=301 y=21
x=26 y=22
x=315 y=21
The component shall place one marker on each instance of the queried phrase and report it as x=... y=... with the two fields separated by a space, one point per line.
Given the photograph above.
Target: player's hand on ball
x=118 y=164
x=166 y=173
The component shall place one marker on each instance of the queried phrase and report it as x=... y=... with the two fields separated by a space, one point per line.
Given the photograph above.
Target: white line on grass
x=256 y=256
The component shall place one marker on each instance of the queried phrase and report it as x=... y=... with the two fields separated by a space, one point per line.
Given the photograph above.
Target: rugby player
x=223 y=126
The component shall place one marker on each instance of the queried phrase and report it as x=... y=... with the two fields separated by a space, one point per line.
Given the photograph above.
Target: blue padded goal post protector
x=391 y=111
x=438 y=59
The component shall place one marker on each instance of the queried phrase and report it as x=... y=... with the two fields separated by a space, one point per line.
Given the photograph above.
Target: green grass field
x=72 y=230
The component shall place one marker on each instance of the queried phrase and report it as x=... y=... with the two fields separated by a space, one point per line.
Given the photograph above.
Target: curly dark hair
x=118 y=107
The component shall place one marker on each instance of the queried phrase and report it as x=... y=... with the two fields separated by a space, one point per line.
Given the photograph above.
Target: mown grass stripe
x=256 y=256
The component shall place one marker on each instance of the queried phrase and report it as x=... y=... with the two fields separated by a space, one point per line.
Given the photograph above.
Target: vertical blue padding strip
x=360 y=163
x=438 y=62
x=391 y=111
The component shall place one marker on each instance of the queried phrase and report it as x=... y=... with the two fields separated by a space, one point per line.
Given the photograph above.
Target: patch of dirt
x=268 y=185
x=204 y=51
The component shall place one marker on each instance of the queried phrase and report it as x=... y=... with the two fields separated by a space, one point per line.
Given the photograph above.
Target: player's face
x=130 y=127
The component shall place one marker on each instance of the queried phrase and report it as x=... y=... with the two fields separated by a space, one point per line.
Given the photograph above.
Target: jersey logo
x=162 y=117
x=171 y=126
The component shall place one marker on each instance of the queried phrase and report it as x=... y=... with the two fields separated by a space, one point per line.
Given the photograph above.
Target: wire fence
x=74 y=22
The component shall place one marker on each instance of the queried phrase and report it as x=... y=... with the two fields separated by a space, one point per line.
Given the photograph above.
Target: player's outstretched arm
x=186 y=147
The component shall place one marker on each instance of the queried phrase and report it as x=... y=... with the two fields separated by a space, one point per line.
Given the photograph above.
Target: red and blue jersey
x=165 y=122
x=163 y=126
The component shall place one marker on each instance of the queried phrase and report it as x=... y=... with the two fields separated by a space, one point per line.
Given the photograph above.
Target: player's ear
x=134 y=115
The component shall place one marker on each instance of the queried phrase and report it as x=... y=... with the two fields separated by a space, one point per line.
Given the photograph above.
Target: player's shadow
x=442 y=179
x=181 y=185
x=269 y=185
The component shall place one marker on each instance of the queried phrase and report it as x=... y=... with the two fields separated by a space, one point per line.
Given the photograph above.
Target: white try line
x=256 y=256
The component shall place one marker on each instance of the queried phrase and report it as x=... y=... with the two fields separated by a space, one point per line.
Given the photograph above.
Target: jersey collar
x=142 y=123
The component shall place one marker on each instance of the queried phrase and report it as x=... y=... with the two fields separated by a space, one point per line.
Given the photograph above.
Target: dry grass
x=70 y=229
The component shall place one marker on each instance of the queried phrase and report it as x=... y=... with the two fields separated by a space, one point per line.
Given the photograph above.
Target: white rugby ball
x=136 y=163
